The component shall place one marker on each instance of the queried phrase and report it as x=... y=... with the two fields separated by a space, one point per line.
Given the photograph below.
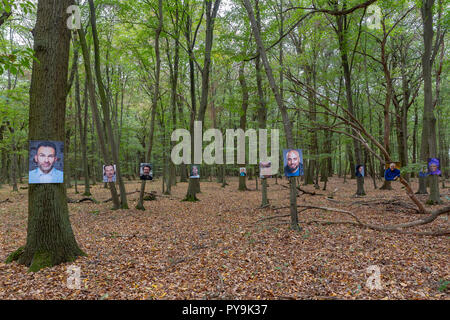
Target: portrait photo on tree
x=265 y=169
x=293 y=162
x=109 y=173
x=195 y=171
x=145 y=171
x=46 y=162
x=359 y=170
x=434 y=167
x=392 y=171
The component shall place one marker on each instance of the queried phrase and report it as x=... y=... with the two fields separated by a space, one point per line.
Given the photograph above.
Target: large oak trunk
x=50 y=239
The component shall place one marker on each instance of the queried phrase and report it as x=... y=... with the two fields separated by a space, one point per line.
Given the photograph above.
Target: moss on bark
x=191 y=198
x=15 y=255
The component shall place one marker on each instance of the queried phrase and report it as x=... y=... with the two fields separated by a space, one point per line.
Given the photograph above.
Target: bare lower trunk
x=275 y=90
x=386 y=185
x=360 y=186
x=264 y=200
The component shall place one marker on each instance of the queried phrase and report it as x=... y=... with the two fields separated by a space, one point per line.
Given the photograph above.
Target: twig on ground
x=398 y=228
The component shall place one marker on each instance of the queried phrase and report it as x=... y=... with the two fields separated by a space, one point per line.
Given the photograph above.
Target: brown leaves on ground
x=216 y=249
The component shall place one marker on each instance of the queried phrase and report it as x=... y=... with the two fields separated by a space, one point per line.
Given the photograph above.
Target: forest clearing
x=221 y=248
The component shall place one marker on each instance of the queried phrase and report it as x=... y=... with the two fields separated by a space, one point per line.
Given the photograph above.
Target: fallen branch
x=389 y=204
x=81 y=200
x=6 y=200
x=389 y=228
x=128 y=193
x=310 y=193
x=395 y=227
x=412 y=196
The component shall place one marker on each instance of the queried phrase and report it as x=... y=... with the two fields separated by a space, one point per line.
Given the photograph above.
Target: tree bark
x=106 y=109
x=50 y=239
x=82 y=128
x=140 y=204
x=286 y=122
x=243 y=118
x=341 y=22
x=429 y=141
x=96 y=116
x=212 y=8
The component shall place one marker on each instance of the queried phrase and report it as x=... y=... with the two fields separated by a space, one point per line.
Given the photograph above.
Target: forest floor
x=219 y=248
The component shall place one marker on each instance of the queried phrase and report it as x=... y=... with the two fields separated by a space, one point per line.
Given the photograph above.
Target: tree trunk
x=429 y=141
x=140 y=204
x=261 y=113
x=243 y=118
x=212 y=8
x=106 y=110
x=83 y=131
x=286 y=122
x=50 y=239
x=96 y=116
x=342 y=25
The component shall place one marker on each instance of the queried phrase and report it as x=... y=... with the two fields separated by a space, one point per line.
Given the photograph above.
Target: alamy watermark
x=74 y=20
x=374 y=280
x=214 y=152
x=374 y=19
x=74 y=277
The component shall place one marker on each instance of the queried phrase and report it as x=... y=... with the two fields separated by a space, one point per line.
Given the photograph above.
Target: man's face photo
x=293 y=166
x=109 y=171
x=392 y=166
x=195 y=172
x=45 y=158
x=46 y=162
x=293 y=160
x=146 y=171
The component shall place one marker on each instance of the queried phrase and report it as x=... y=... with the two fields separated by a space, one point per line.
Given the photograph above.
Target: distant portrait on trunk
x=265 y=169
x=195 y=172
x=293 y=162
x=392 y=172
x=109 y=173
x=146 y=172
x=359 y=170
x=434 y=166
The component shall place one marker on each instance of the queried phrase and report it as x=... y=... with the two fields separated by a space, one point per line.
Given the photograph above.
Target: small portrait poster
x=359 y=170
x=265 y=169
x=109 y=173
x=293 y=162
x=397 y=165
x=392 y=171
x=195 y=172
x=242 y=172
x=46 y=162
x=434 y=167
x=145 y=171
